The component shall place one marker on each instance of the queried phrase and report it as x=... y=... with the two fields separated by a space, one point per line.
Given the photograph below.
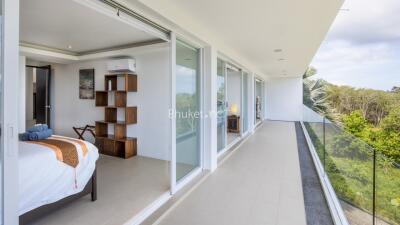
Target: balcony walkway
x=258 y=183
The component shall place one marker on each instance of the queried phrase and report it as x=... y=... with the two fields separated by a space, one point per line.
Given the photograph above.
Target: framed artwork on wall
x=86 y=84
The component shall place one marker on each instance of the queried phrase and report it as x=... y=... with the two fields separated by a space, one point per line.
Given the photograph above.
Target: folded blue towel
x=38 y=128
x=34 y=136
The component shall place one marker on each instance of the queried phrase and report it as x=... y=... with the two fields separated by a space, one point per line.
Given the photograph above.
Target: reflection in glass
x=221 y=107
x=1 y=111
x=245 y=103
x=258 y=101
x=187 y=109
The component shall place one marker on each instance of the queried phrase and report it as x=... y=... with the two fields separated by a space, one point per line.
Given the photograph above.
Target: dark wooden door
x=43 y=95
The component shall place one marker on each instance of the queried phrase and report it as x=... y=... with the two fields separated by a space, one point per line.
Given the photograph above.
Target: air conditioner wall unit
x=121 y=65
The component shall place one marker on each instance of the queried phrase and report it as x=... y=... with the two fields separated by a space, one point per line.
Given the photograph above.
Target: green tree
x=395 y=89
x=356 y=124
x=314 y=95
x=388 y=136
x=311 y=71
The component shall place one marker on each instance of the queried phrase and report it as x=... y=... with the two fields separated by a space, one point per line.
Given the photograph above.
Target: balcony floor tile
x=260 y=183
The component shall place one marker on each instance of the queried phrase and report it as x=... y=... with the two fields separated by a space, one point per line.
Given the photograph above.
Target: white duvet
x=43 y=179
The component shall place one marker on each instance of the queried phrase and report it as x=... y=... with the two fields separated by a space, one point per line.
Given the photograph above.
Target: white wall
x=152 y=100
x=234 y=95
x=284 y=98
x=21 y=94
x=9 y=110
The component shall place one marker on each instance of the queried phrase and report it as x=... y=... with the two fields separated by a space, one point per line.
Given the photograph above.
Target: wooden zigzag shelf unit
x=117 y=144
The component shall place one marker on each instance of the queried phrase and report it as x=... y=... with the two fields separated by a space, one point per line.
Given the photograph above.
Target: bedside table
x=234 y=124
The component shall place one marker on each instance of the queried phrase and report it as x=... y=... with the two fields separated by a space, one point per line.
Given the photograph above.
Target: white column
x=22 y=94
x=9 y=106
x=210 y=109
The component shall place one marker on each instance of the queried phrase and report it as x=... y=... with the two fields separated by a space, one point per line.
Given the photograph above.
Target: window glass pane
x=245 y=103
x=221 y=107
x=258 y=101
x=187 y=109
x=1 y=111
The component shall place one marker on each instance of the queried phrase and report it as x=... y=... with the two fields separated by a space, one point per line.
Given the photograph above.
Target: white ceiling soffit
x=278 y=37
x=75 y=28
x=51 y=56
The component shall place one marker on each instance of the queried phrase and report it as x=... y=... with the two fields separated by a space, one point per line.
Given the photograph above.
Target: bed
x=46 y=183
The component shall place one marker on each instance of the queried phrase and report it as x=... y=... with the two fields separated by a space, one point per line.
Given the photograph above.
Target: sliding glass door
x=187 y=109
x=231 y=104
x=1 y=113
x=245 y=110
x=221 y=105
x=258 y=95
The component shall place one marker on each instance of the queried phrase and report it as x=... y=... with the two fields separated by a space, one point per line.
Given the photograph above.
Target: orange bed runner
x=65 y=151
x=77 y=141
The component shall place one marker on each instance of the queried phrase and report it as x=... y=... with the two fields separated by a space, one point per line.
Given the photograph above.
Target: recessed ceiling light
x=278 y=50
x=281 y=59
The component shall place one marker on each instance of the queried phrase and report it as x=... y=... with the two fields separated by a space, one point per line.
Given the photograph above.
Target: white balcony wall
x=284 y=99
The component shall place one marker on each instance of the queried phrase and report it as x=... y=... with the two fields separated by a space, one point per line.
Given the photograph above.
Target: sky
x=362 y=48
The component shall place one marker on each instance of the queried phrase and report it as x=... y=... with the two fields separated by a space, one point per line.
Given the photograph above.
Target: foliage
x=373 y=104
x=371 y=115
x=186 y=113
x=349 y=165
x=311 y=71
x=369 y=122
x=314 y=95
x=395 y=89
x=346 y=145
x=387 y=139
x=355 y=124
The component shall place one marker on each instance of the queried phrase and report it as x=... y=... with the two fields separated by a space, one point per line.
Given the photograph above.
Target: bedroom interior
x=234 y=100
x=232 y=120
x=129 y=110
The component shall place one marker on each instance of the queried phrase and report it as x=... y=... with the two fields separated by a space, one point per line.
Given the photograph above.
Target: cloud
x=367 y=21
x=362 y=48
x=366 y=66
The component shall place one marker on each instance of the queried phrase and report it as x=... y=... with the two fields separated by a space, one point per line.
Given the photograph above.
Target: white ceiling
x=62 y=23
x=253 y=29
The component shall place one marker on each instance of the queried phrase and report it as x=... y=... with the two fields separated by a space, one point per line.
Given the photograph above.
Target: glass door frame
x=9 y=118
x=174 y=184
x=245 y=107
x=226 y=65
x=261 y=81
x=225 y=74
